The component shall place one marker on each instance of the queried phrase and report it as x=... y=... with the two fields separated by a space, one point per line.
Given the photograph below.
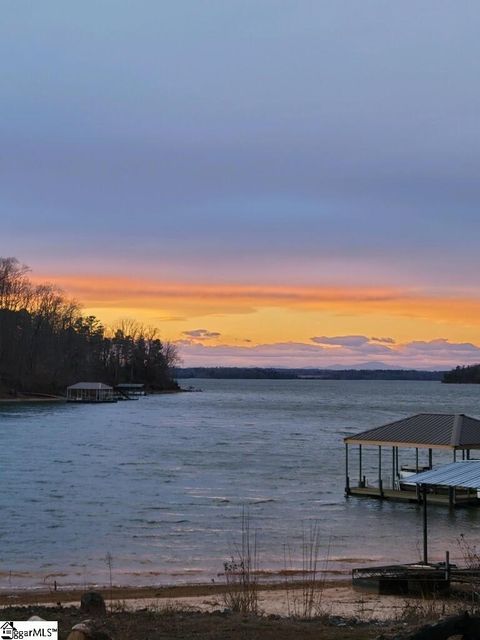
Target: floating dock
x=444 y=499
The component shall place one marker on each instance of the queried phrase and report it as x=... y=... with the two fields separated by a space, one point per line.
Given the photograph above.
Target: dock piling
x=425 y=525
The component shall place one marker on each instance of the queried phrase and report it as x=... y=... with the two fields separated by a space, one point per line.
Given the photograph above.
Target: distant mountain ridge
x=367 y=366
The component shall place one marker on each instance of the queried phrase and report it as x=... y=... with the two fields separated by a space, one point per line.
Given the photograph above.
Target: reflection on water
x=160 y=483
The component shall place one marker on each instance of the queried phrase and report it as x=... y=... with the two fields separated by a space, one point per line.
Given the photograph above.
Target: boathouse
x=90 y=392
x=456 y=434
x=129 y=389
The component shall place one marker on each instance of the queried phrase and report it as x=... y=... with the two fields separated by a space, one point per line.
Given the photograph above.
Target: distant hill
x=259 y=373
x=365 y=366
x=463 y=375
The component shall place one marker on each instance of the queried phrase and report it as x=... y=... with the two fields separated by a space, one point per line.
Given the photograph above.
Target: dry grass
x=241 y=572
x=306 y=601
x=469 y=551
x=471 y=558
x=423 y=610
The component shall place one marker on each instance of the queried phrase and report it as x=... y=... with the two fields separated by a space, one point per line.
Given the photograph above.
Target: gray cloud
x=201 y=334
x=344 y=341
x=434 y=354
x=442 y=345
x=383 y=340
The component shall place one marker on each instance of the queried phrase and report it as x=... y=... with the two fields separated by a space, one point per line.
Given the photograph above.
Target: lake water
x=161 y=483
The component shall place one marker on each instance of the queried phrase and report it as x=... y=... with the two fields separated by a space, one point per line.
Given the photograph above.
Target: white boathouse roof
x=90 y=385
x=464 y=474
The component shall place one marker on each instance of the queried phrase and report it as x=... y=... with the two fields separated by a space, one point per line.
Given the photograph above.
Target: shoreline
x=333 y=599
x=72 y=594
x=31 y=398
x=41 y=397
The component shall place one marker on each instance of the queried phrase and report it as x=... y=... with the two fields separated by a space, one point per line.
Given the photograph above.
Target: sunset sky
x=270 y=182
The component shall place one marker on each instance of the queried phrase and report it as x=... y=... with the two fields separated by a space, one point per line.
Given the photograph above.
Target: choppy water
x=160 y=483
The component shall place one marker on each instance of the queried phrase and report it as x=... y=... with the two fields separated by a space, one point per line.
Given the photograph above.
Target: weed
x=241 y=572
x=471 y=557
x=417 y=610
x=469 y=551
x=305 y=600
x=109 y=563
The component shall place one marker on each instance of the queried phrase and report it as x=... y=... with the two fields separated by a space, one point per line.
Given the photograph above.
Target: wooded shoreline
x=47 y=343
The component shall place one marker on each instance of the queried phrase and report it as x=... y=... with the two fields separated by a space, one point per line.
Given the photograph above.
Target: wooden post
x=430 y=458
x=396 y=463
x=393 y=468
x=360 y=465
x=380 y=484
x=425 y=527
x=416 y=459
x=451 y=501
x=468 y=454
x=454 y=455
x=463 y=454
x=447 y=565
x=347 y=479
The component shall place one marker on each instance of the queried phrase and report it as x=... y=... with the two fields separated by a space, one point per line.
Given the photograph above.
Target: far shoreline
x=31 y=398
x=21 y=398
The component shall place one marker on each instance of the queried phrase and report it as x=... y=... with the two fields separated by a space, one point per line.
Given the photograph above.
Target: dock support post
x=360 y=481
x=347 y=479
x=430 y=458
x=380 y=484
x=393 y=468
x=468 y=454
x=463 y=454
x=447 y=566
x=454 y=455
x=416 y=459
x=425 y=528
x=451 y=500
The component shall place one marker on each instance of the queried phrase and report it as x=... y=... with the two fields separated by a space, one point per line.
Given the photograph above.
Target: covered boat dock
x=455 y=433
x=90 y=392
x=130 y=391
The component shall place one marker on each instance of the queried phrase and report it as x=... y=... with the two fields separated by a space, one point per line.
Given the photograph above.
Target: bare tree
x=172 y=357
x=15 y=288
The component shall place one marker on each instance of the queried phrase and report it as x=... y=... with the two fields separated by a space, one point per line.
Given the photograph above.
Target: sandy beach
x=336 y=598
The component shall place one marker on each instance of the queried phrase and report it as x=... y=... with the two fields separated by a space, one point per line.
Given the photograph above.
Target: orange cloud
x=184 y=299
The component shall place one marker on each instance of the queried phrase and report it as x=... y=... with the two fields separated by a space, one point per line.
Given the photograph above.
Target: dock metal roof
x=464 y=474
x=89 y=385
x=424 y=430
x=130 y=385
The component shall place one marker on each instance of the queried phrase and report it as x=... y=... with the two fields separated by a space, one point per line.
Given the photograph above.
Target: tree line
x=463 y=375
x=259 y=373
x=46 y=343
